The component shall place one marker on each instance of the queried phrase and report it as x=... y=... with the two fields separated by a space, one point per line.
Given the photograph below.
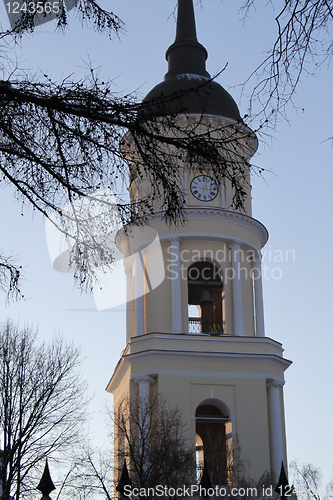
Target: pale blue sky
x=293 y=201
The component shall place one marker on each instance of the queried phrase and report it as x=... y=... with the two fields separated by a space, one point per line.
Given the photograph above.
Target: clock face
x=204 y=188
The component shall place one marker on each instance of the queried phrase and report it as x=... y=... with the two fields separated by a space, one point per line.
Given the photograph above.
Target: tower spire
x=186 y=55
x=185 y=21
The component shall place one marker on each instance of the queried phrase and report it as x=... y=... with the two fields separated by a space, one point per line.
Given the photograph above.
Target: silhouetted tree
x=307 y=480
x=150 y=439
x=42 y=406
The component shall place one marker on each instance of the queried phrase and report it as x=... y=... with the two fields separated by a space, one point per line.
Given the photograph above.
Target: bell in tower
x=198 y=338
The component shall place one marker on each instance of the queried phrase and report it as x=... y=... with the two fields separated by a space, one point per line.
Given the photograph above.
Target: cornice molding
x=203 y=337
x=212 y=356
x=220 y=214
x=224 y=348
x=197 y=213
x=127 y=359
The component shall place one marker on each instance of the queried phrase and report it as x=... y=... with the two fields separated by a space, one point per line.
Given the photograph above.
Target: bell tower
x=198 y=338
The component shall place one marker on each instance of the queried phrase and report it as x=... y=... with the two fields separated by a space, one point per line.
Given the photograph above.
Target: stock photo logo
x=85 y=235
x=29 y=13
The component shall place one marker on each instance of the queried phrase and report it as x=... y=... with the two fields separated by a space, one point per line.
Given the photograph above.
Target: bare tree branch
x=10 y=278
x=303 y=43
x=88 y=11
x=63 y=142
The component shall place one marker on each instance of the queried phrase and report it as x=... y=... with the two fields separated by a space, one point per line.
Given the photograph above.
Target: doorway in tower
x=214 y=441
x=205 y=299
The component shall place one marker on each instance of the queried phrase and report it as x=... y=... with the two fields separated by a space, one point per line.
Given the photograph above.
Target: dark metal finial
x=124 y=480
x=46 y=484
x=186 y=55
x=282 y=486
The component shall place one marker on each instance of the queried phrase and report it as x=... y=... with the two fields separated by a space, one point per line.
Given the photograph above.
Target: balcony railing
x=198 y=325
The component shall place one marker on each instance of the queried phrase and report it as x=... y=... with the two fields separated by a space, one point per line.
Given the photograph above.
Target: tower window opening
x=214 y=444
x=205 y=302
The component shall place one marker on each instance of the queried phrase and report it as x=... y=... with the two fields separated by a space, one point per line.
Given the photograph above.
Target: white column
x=129 y=299
x=258 y=296
x=237 y=289
x=176 y=286
x=144 y=409
x=139 y=295
x=275 y=426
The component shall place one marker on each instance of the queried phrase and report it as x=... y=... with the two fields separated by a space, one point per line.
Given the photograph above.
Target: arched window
x=214 y=442
x=205 y=304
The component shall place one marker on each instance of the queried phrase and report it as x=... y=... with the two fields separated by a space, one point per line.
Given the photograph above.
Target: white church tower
x=198 y=339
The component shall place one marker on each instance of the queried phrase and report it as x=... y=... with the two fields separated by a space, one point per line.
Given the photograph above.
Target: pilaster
x=237 y=288
x=275 y=425
x=176 y=286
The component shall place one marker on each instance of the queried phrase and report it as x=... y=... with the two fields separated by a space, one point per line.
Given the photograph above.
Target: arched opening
x=214 y=442
x=205 y=299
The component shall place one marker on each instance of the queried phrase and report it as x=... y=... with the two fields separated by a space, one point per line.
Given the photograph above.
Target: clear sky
x=294 y=202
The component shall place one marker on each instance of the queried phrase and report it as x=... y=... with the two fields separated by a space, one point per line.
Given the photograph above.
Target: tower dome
x=187 y=86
